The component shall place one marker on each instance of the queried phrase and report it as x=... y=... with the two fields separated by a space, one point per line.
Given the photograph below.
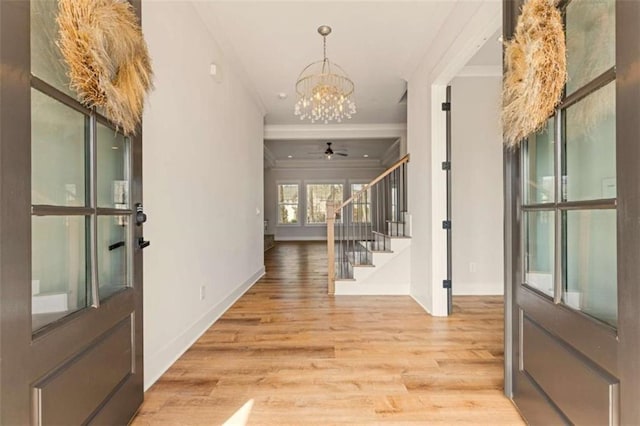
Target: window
x=288 y=204
x=570 y=191
x=82 y=241
x=317 y=197
x=361 y=204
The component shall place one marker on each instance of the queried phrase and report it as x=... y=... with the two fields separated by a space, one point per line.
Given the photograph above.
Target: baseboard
x=420 y=303
x=157 y=364
x=301 y=238
x=478 y=289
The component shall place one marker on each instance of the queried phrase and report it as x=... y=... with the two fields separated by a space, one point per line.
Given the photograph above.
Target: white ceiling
x=378 y=43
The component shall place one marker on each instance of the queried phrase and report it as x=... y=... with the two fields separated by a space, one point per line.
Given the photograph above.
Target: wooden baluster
x=331 y=255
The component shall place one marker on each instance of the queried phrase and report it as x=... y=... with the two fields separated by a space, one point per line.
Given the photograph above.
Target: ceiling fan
x=329 y=152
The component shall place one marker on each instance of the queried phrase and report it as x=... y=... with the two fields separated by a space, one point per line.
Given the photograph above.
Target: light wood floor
x=290 y=354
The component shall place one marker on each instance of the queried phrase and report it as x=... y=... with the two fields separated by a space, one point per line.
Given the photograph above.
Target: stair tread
x=391 y=236
x=367 y=244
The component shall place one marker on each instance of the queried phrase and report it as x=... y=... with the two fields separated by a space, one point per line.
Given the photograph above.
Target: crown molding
x=327 y=164
x=334 y=131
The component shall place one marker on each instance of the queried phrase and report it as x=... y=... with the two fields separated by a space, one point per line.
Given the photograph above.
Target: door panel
x=571 y=379
x=572 y=332
x=71 y=394
x=70 y=270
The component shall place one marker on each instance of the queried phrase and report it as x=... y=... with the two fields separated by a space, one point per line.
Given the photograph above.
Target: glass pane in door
x=46 y=59
x=591 y=263
x=112 y=169
x=58 y=149
x=113 y=254
x=590 y=34
x=539 y=245
x=539 y=166
x=590 y=147
x=60 y=277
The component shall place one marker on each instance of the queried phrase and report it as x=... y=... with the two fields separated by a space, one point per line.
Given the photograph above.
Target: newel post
x=331 y=252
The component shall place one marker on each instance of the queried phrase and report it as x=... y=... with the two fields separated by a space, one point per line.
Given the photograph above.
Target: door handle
x=142 y=243
x=116 y=245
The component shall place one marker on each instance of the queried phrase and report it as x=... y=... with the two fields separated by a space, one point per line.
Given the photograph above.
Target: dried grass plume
x=108 y=63
x=536 y=70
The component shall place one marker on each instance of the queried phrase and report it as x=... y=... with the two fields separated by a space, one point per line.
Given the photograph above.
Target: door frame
x=28 y=358
x=624 y=359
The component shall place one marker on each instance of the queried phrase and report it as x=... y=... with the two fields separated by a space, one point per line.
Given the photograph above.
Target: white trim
x=438 y=201
x=157 y=364
x=480 y=71
x=483 y=24
x=378 y=169
x=334 y=131
x=420 y=304
x=328 y=164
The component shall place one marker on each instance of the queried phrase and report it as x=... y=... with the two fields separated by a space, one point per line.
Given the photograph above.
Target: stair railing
x=366 y=221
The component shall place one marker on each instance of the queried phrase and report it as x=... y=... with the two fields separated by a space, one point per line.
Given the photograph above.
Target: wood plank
x=295 y=355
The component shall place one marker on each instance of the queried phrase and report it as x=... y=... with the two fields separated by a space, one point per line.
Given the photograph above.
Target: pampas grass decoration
x=536 y=70
x=107 y=58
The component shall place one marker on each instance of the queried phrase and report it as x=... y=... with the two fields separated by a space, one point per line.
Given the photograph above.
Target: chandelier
x=324 y=90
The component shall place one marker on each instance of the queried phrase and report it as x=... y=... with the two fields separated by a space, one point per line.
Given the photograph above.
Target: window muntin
x=288 y=204
x=317 y=196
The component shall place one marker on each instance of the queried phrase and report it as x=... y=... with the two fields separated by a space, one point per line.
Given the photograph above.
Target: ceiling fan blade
x=341 y=153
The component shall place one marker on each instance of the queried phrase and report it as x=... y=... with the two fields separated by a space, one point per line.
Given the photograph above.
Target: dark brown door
x=70 y=265
x=572 y=231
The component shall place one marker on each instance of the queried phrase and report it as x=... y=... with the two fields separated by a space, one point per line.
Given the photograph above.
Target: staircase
x=368 y=237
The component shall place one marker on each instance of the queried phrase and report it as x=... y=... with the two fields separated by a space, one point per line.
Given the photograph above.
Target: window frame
x=277 y=207
x=342 y=183
x=558 y=205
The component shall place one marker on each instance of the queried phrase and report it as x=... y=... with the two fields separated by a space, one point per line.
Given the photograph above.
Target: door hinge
x=446 y=224
x=446 y=283
x=446 y=165
x=446 y=106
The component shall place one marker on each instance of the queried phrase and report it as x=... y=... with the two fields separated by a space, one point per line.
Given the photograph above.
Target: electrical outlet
x=202 y=292
x=473 y=267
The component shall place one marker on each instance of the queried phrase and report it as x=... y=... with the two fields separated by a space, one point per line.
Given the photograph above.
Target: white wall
x=272 y=177
x=461 y=35
x=477 y=187
x=203 y=186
